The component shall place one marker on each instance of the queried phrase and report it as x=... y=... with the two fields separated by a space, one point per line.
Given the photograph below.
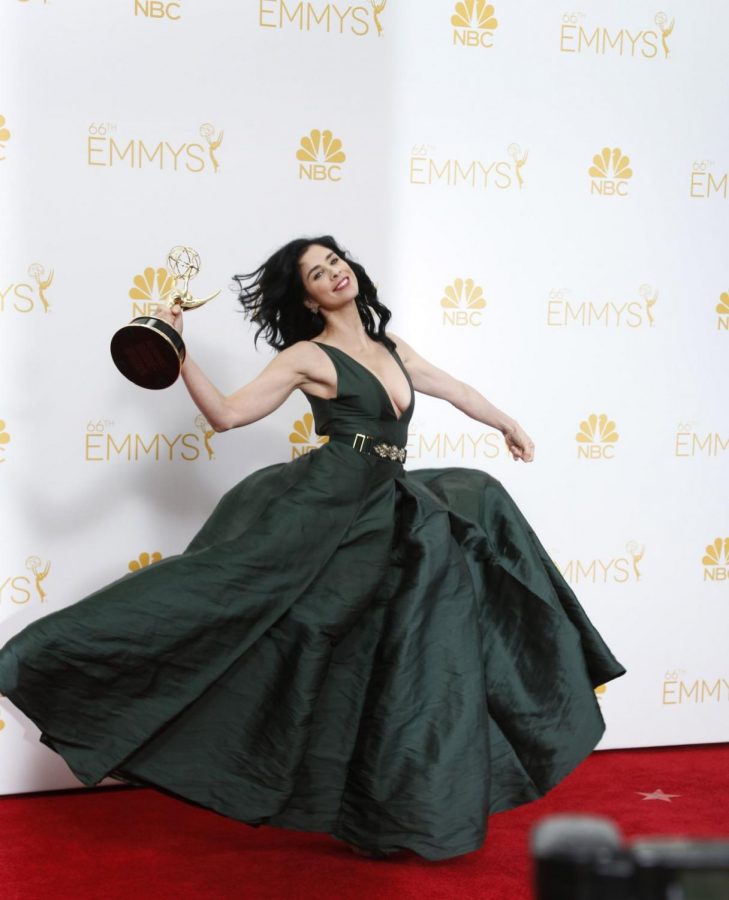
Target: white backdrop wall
x=587 y=293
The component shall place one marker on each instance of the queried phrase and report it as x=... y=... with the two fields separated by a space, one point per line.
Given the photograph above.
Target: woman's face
x=328 y=281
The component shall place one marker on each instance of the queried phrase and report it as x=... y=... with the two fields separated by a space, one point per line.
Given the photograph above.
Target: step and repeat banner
x=540 y=193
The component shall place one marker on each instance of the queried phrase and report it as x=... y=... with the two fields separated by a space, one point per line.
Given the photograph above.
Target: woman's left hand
x=518 y=443
x=172 y=316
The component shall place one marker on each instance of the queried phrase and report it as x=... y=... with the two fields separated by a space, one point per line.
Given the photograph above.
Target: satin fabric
x=344 y=647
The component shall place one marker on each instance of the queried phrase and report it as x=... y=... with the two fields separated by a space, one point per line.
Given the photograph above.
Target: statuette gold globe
x=183 y=262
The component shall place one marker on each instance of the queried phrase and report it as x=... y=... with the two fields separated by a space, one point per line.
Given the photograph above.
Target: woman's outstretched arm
x=295 y=367
x=429 y=379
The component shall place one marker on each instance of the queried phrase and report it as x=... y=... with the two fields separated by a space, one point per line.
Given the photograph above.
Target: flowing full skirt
x=389 y=667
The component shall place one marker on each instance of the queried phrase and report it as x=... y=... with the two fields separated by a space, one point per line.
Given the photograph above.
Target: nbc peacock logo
x=4 y=440
x=303 y=438
x=463 y=303
x=144 y=560
x=4 y=137
x=320 y=156
x=474 y=24
x=716 y=560
x=151 y=287
x=610 y=172
x=722 y=312
x=596 y=437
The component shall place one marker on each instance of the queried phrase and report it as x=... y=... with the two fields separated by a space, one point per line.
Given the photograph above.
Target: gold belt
x=372 y=446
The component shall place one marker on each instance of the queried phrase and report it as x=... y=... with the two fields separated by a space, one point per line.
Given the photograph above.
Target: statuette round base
x=149 y=352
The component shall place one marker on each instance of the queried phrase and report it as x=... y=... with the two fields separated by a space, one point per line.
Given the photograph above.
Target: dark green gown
x=345 y=647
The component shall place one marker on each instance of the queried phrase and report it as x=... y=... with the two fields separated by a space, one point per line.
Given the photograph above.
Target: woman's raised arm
x=290 y=369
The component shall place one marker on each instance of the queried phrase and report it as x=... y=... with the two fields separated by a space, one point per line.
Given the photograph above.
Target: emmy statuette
x=149 y=351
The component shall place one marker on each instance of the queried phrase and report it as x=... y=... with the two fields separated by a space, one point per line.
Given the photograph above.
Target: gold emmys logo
x=474 y=24
x=102 y=444
x=677 y=690
x=103 y=149
x=609 y=173
x=716 y=560
x=4 y=439
x=325 y=17
x=575 y=37
x=614 y=569
x=4 y=137
x=563 y=312
x=153 y=286
x=24 y=297
x=476 y=173
x=703 y=182
x=303 y=438
x=722 y=312
x=208 y=434
x=596 y=438
x=455 y=446
x=157 y=9
x=20 y=589
x=320 y=156
x=462 y=303
x=144 y=560
x=689 y=442
x=600 y=691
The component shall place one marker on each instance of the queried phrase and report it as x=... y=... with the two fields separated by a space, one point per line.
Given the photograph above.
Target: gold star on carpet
x=658 y=795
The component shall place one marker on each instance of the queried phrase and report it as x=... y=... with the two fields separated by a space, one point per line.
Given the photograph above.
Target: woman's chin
x=347 y=295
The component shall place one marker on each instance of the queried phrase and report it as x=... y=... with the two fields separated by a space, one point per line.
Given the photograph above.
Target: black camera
x=585 y=858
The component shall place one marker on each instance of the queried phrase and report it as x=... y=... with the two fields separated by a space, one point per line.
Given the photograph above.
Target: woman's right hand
x=172 y=316
x=518 y=442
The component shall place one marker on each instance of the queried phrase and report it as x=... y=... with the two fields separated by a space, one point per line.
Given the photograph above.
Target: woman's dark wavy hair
x=274 y=296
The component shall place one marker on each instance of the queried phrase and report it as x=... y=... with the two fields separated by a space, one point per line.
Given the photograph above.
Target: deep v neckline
x=379 y=382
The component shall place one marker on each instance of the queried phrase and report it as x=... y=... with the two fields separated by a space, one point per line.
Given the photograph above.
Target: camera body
x=585 y=858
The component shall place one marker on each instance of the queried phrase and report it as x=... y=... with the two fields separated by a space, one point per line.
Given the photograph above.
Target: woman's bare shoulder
x=302 y=352
x=305 y=359
x=403 y=348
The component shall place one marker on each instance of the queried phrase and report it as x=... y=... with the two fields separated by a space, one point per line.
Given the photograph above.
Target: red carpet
x=122 y=843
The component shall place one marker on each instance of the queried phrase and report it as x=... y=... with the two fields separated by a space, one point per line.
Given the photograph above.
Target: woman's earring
x=314 y=309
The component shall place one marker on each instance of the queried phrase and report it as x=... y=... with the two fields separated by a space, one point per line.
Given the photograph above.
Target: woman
x=345 y=647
